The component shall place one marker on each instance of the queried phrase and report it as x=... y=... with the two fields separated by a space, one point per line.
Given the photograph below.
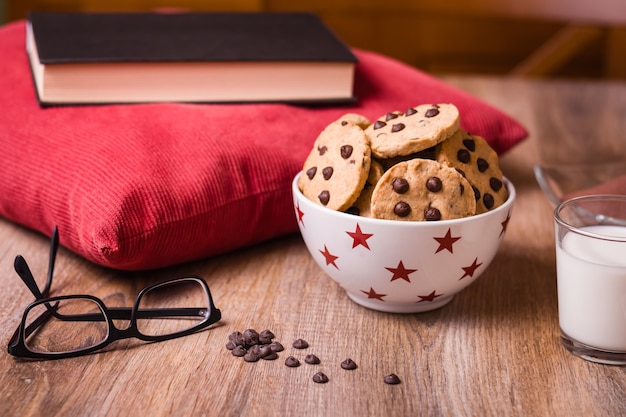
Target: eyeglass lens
x=59 y=326
x=184 y=304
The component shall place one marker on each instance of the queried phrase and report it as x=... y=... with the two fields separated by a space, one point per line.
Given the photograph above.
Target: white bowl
x=401 y=266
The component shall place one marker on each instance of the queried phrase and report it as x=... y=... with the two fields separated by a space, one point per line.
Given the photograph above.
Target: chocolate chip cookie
x=335 y=171
x=478 y=163
x=422 y=190
x=416 y=129
x=362 y=206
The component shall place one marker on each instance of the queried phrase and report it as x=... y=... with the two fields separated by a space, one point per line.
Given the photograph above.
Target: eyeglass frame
x=17 y=344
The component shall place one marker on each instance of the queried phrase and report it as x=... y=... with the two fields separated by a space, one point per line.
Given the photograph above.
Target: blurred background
x=529 y=38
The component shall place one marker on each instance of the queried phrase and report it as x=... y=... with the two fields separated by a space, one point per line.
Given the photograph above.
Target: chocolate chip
x=463 y=156
x=379 y=124
x=237 y=338
x=311 y=172
x=432 y=112
x=327 y=173
x=300 y=344
x=348 y=364
x=251 y=357
x=324 y=197
x=469 y=144
x=277 y=346
x=482 y=164
x=266 y=350
x=397 y=127
x=400 y=185
x=488 y=201
x=265 y=337
x=402 y=209
x=476 y=193
x=391 y=116
x=432 y=214
x=251 y=337
x=312 y=359
x=272 y=356
x=411 y=111
x=343 y=123
x=391 y=379
x=495 y=184
x=292 y=362
x=346 y=151
x=239 y=351
x=433 y=184
x=320 y=378
x=322 y=149
x=230 y=345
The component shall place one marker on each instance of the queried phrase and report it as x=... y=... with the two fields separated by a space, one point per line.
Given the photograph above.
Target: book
x=100 y=58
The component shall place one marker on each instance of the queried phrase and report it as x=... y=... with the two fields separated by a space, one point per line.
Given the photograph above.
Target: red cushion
x=151 y=185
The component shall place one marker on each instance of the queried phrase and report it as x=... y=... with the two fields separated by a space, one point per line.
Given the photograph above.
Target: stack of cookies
x=414 y=165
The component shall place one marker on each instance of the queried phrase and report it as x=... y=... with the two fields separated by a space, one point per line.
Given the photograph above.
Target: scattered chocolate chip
x=320 y=378
x=397 y=127
x=300 y=344
x=411 y=111
x=348 y=364
x=251 y=337
x=327 y=173
x=251 y=357
x=230 y=345
x=488 y=201
x=346 y=151
x=311 y=172
x=400 y=185
x=432 y=214
x=434 y=184
x=324 y=197
x=239 y=351
x=322 y=150
x=265 y=350
x=432 y=112
x=391 y=116
x=495 y=184
x=237 y=338
x=277 y=347
x=402 y=209
x=463 y=156
x=469 y=144
x=482 y=164
x=292 y=362
x=265 y=337
x=312 y=359
x=391 y=379
x=272 y=356
x=379 y=124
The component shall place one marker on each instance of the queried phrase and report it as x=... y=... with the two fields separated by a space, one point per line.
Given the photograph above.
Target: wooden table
x=494 y=350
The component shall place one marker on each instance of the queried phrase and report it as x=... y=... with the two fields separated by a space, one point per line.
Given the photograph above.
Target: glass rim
x=600 y=218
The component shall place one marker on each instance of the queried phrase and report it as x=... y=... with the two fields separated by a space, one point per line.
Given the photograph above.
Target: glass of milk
x=590 y=234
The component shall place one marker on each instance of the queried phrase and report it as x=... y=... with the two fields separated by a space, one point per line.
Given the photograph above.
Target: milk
x=591 y=278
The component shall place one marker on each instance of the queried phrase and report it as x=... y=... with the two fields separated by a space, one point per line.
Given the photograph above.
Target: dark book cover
x=185 y=37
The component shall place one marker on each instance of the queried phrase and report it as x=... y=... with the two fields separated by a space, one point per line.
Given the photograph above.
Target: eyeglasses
x=73 y=325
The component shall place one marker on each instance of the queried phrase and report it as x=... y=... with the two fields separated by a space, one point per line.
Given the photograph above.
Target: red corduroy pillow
x=151 y=185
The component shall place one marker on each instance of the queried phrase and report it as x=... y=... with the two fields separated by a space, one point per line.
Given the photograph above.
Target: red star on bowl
x=505 y=223
x=469 y=270
x=330 y=258
x=359 y=238
x=446 y=242
x=429 y=297
x=373 y=294
x=300 y=214
x=400 y=272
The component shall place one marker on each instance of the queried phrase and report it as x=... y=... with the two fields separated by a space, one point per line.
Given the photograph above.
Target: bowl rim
x=395 y=223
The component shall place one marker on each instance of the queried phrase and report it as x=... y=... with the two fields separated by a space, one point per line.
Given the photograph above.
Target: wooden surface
x=493 y=351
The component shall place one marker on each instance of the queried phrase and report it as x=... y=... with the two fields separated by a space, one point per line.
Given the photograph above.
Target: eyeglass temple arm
x=22 y=269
